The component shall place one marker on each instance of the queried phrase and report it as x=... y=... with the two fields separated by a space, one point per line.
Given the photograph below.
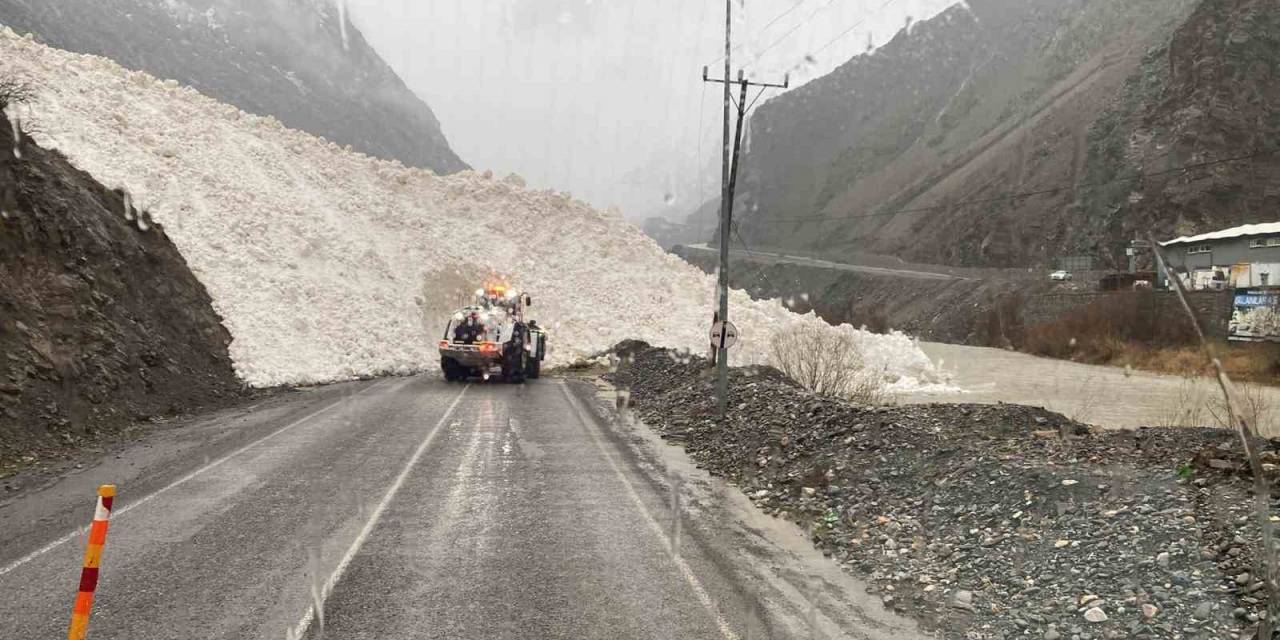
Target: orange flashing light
x=488 y=347
x=495 y=289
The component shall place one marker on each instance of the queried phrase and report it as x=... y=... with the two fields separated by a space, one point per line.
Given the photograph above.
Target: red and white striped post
x=92 y=560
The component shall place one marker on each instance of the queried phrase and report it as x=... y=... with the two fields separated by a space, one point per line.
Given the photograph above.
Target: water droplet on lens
x=342 y=24
x=17 y=136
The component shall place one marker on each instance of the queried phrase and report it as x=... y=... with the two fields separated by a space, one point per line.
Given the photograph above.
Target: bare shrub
x=827 y=362
x=1198 y=404
x=15 y=92
x=1101 y=331
x=1188 y=408
x=1255 y=405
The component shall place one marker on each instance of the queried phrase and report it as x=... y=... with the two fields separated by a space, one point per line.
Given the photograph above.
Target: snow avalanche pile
x=327 y=264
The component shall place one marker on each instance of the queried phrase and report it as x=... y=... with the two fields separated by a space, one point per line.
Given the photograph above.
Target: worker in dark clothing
x=469 y=330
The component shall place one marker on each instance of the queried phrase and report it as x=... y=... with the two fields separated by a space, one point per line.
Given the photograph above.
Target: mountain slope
x=914 y=149
x=1209 y=96
x=296 y=60
x=329 y=265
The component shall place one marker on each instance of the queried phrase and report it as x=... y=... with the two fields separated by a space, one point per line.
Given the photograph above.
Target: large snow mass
x=327 y=264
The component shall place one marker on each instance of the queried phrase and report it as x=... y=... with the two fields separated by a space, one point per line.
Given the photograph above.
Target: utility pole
x=729 y=175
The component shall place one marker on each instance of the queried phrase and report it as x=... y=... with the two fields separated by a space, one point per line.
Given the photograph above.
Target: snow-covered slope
x=327 y=264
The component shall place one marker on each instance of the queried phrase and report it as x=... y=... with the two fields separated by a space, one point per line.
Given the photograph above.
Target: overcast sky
x=603 y=97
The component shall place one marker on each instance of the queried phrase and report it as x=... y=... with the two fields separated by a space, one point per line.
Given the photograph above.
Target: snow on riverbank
x=326 y=264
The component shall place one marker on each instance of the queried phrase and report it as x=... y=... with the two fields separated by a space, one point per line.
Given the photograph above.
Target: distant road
x=411 y=508
x=766 y=256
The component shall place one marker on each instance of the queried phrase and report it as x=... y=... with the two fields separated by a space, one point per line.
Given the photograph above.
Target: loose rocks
x=961 y=512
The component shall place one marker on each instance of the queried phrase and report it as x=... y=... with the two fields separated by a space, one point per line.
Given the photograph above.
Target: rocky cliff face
x=1208 y=100
x=101 y=322
x=298 y=60
x=1015 y=132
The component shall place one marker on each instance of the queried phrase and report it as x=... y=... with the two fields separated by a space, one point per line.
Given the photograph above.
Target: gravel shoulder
x=983 y=521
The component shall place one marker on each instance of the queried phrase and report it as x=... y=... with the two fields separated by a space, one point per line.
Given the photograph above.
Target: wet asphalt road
x=408 y=508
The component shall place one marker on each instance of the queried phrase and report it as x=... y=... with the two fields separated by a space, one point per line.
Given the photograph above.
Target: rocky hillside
x=915 y=149
x=101 y=322
x=297 y=60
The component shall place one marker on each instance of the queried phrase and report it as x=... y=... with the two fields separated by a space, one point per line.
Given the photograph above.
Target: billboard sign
x=1255 y=316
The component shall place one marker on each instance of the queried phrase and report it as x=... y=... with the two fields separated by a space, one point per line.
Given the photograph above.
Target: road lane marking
x=689 y=576
x=148 y=498
x=309 y=615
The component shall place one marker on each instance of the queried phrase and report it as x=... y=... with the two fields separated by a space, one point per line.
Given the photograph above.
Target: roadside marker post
x=92 y=561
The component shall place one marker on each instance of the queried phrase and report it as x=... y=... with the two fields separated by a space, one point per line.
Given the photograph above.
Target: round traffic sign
x=718 y=333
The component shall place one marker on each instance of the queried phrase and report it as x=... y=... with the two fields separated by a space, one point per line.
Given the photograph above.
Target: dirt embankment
x=102 y=324
x=984 y=521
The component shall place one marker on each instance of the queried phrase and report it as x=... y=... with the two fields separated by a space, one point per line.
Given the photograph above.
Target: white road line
x=148 y=498
x=687 y=571
x=310 y=614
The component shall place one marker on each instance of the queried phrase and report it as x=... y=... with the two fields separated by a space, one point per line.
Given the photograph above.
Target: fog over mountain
x=604 y=98
x=297 y=60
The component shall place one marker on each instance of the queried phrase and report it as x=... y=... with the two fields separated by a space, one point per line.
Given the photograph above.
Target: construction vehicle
x=492 y=337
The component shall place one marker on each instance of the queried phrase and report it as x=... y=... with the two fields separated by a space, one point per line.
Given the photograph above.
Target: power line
x=754 y=257
x=760 y=54
x=1015 y=196
x=782 y=15
x=830 y=42
x=794 y=29
x=764 y=29
x=846 y=32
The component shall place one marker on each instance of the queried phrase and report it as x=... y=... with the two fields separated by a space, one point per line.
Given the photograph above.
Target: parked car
x=1060 y=276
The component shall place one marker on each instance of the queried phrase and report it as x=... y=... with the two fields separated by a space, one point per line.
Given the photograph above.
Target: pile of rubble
x=983 y=521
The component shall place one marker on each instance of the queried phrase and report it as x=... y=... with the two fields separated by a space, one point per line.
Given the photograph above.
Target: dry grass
x=1189 y=408
x=1200 y=403
x=1124 y=331
x=827 y=362
x=1252 y=362
x=1243 y=361
x=1257 y=408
